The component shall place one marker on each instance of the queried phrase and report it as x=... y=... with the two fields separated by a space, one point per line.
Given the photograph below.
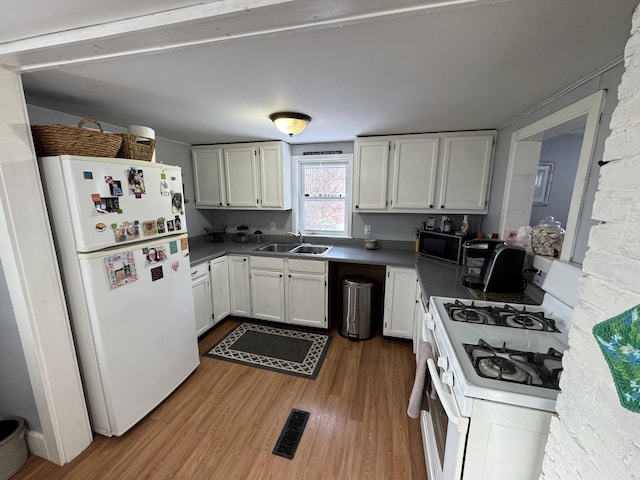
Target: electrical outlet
x=273 y=225
x=367 y=229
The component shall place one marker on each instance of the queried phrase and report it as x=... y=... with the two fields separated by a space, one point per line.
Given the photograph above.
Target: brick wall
x=594 y=437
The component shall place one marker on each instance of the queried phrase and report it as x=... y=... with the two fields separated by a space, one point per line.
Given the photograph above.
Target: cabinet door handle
x=430 y=206
x=289 y=276
x=357 y=206
x=244 y=259
x=220 y=203
x=441 y=206
x=195 y=272
x=280 y=275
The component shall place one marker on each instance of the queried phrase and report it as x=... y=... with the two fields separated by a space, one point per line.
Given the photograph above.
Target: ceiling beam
x=196 y=25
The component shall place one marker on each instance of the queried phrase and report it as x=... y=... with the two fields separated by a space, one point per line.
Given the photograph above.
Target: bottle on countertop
x=445 y=224
x=417 y=240
x=464 y=226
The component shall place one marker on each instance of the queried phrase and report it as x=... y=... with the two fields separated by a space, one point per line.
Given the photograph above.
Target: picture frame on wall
x=542 y=185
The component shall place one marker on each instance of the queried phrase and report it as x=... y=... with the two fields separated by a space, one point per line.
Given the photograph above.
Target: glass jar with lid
x=547 y=237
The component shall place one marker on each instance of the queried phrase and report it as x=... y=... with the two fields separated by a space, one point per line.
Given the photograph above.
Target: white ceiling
x=357 y=67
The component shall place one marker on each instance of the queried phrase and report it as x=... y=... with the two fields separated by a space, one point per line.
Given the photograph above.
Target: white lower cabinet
x=289 y=290
x=267 y=288
x=239 y=289
x=307 y=293
x=400 y=295
x=219 y=272
x=201 y=287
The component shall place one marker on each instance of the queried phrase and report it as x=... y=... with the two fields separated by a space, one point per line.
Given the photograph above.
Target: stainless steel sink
x=312 y=249
x=277 y=247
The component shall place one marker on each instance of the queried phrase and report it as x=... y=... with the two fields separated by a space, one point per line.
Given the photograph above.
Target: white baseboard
x=38 y=447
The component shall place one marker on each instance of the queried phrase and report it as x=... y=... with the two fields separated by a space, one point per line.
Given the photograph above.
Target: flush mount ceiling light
x=290 y=123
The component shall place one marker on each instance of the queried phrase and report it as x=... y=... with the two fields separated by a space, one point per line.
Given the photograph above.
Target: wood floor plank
x=225 y=419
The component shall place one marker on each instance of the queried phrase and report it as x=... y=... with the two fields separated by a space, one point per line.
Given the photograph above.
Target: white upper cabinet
x=444 y=172
x=466 y=169
x=208 y=177
x=241 y=176
x=371 y=173
x=414 y=173
x=274 y=159
x=248 y=176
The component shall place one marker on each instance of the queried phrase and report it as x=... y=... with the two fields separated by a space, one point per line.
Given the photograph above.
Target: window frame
x=300 y=162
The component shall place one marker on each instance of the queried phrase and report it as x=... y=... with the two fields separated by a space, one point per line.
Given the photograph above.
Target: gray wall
x=609 y=81
x=16 y=395
x=563 y=152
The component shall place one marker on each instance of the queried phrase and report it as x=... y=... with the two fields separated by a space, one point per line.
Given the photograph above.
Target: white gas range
x=495 y=376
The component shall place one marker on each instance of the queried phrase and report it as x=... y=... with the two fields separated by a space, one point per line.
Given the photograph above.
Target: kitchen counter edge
x=437 y=278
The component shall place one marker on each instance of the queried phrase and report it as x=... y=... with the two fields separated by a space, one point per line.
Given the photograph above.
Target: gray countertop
x=202 y=250
x=442 y=279
x=437 y=278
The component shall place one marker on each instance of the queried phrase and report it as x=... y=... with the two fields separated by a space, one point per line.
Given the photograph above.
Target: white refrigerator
x=121 y=239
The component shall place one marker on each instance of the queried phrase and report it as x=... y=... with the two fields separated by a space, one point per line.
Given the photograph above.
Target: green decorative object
x=619 y=340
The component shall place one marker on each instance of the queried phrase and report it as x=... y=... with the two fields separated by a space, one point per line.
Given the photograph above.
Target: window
x=324 y=195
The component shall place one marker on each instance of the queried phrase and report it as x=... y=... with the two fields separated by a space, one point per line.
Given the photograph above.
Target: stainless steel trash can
x=356 y=308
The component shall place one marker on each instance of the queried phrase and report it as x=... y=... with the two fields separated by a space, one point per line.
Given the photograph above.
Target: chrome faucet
x=298 y=236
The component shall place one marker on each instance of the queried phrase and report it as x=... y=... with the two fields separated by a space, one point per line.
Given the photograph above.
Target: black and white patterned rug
x=295 y=352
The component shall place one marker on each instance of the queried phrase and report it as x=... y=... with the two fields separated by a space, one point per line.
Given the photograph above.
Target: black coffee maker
x=478 y=253
x=501 y=271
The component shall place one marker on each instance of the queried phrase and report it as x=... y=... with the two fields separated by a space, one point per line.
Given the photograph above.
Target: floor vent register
x=291 y=434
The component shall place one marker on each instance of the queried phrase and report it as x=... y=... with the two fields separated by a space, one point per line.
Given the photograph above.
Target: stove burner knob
x=443 y=363
x=447 y=379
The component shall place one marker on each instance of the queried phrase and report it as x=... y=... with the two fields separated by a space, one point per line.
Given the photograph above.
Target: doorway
x=523 y=168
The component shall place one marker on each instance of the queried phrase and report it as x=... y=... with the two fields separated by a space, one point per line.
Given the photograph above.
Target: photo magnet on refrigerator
x=136 y=182
x=149 y=227
x=116 y=188
x=133 y=230
x=164 y=188
x=176 y=202
x=155 y=254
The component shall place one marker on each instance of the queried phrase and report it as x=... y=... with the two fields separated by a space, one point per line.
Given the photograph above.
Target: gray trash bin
x=356 y=308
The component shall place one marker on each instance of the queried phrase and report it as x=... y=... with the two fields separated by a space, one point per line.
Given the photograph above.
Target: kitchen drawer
x=271 y=263
x=199 y=269
x=310 y=266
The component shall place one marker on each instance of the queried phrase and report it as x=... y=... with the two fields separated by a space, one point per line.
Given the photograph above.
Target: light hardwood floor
x=224 y=420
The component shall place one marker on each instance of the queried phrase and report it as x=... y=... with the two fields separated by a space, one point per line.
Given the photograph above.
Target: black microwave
x=443 y=246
